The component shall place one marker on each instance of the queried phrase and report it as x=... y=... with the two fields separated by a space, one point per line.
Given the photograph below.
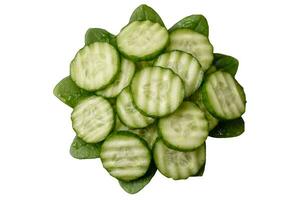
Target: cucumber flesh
x=93 y=119
x=223 y=96
x=127 y=112
x=157 y=91
x=123 y=80
x=95 y=66
x=186 y=129
x=125 y=155
x=142 y=40
x=194 y=43
x=185 y=66
x=177 y=164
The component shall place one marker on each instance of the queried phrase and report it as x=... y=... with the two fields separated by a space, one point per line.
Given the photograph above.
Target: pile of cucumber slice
x=149 y=97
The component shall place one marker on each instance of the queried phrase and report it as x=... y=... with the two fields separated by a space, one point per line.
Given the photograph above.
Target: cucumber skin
x=210 y=107
x=144 y=113
x=111 y=81
x=228 y=129
x=112 y=127
x=147 y=57
x=69 y=93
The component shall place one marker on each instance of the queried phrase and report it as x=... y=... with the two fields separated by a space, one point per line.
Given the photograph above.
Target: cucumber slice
x=197 y=99
x=177 y=164
x=123 y=80
x=119 y=126
x=230 y=128
x=149 y=134
x=93 y=119
x=186 y=129
x=157 y=91
x=69 y=93
x=194 y=43
x=125 y=155
x=142 y=64
x=95 y=66
x=127 y=112
x=142 y=40
x=185 y=66
x=81 y=150
x=223 y=96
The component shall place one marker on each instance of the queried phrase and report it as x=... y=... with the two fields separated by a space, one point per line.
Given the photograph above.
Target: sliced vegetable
x=142 y=40
x=177 y=164
x=95 y=66
x=125 y=156
x=123 y=80
x=223 y=97
x=157 y=91
x=186 y=129
x=185 y=66
x=93 y=119
x=127 y=112
x=194 y=43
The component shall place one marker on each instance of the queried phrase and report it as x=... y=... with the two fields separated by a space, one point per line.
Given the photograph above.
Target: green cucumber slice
x=223 y=97
x=185 y=66
x=93 y=119
x=95 y=66
x=177 y=164
x=127 y=112
x=157 y=91
x=194 y=43
x=186 y=129
x=142 y=40
x=123 y=80
x=125 y=155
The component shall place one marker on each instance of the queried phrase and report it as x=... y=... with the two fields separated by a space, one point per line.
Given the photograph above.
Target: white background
x=39 y=38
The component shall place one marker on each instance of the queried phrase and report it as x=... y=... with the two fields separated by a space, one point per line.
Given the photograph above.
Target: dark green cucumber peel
x=225 y=63
x=99 y=35
x=81 y=150
x=135 y=186
x=144 y=12
x=196 y=23
x=69 y=93
x=230 y=128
